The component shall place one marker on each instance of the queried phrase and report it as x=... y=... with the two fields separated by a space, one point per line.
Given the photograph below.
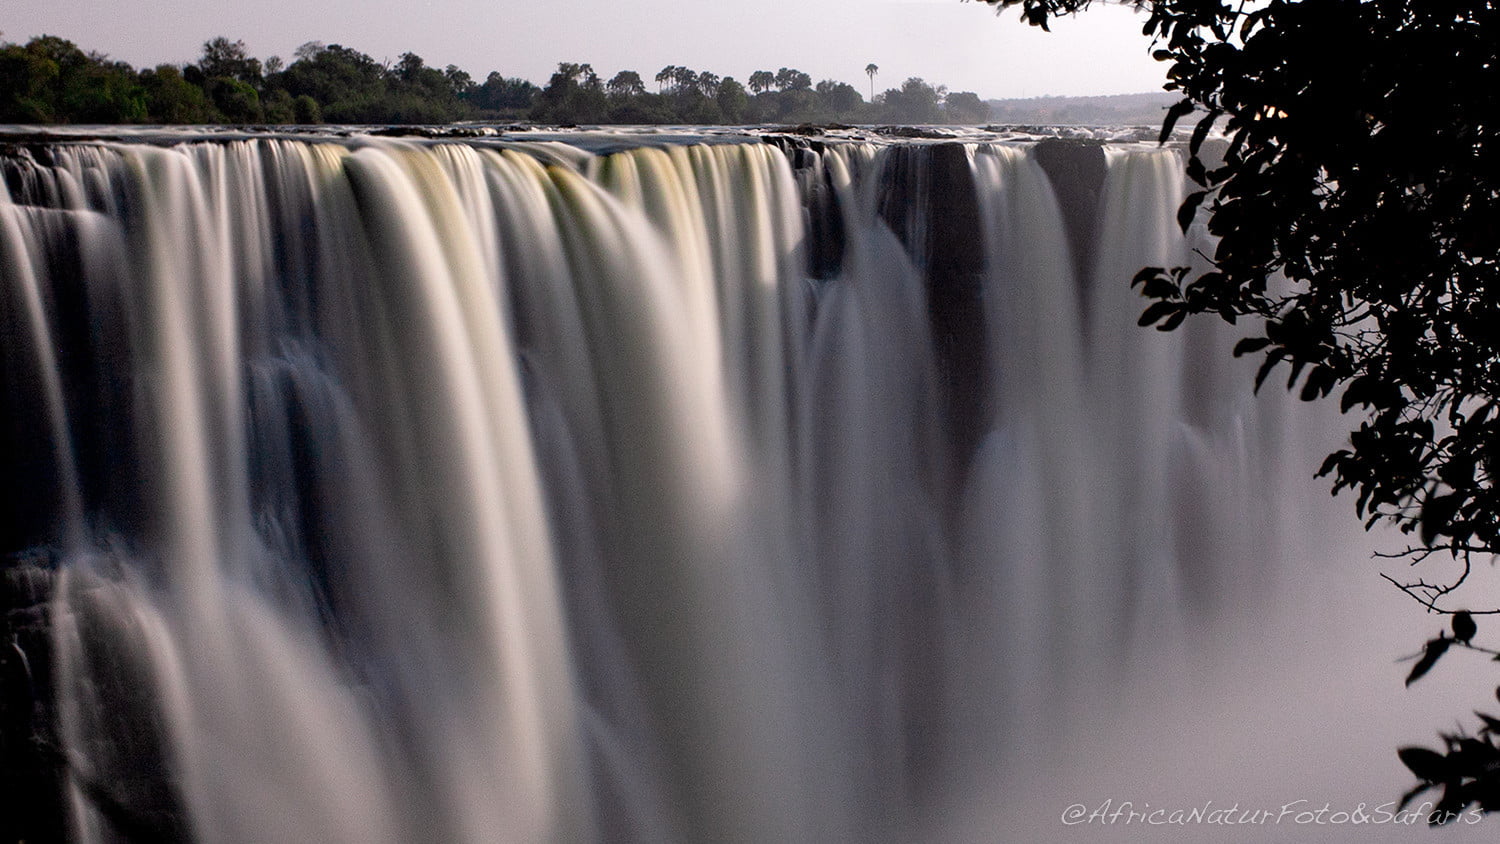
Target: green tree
x=278 y=108
x=171 y=99
x=459 y=81
x=1357 y=211
x=791 y=79
x=762 y=81
x=626 y=83
x=306 y=111
x=965 y=107
x=795 y=106
x=707 y=83
x=700 y=110
x=308 y=50
x=230 y=60
x=236 y=101
x=914 y=102
x=574 y=94
x=870 y=70
x=501 y=95
x=732 y=100
x=684 y=78
x=666 y=74
x=27 y=82
x=347 y=85
x=418 y=93
x=50 y=80
x=647 y=108
x=838 y=99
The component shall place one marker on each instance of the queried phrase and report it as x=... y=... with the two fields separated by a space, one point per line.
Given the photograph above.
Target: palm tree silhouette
x=870 y=70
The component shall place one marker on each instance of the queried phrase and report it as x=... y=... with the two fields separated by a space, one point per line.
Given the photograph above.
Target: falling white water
x=505 y=492
x=1036 y=625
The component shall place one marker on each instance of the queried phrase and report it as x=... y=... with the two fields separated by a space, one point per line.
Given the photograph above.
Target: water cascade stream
x=411 y=491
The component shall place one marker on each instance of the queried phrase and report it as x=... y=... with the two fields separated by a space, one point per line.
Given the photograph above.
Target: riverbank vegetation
x=49 y=80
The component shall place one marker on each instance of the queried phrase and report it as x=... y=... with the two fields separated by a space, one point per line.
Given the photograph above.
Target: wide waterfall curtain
x=403 y=491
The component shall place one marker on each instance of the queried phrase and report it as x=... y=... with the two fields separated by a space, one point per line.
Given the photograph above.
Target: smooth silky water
x=420 y=491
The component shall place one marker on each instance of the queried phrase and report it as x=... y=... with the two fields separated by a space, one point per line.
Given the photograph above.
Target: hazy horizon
x=963 y=45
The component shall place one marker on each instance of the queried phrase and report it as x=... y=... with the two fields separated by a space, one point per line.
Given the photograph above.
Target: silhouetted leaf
x=1200 y=132
x=1146 y=275
x=1428 y=765
x=1189 y=209
x=1491 y=723
x=1297 y=366
x=1318 y=384
x=1178 y=109
x=1437 y=515
x=1160 y=288
x=1250 y=344
x=1430 y=655
x=1273 y=357
x=1322 y=379
x=1197 y=173
x=1471 y=757
x=1156 y=311
x=1331 y=462
x=1412 y=795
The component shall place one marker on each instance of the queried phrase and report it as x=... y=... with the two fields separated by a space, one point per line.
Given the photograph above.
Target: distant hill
x=1117 y=110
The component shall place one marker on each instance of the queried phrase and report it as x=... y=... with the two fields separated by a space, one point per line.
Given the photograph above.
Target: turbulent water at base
x=465 y=492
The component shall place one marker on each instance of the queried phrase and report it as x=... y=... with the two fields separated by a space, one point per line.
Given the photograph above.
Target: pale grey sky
x=963 y=45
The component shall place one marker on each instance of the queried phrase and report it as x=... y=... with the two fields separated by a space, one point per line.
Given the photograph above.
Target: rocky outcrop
x=1076 y=168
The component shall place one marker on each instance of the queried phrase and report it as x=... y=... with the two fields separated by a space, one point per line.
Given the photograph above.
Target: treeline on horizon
x=1143 y=109
x=50 y=80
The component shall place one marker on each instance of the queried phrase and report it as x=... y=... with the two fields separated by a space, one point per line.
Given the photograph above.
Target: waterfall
x=460 y=492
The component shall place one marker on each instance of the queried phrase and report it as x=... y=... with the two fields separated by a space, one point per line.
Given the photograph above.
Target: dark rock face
x=929 y=200
x=825 y=221
x=955 y=277
x=1076 y=168
x=31 y=760
x=128 y=782
x=925 y=132
x=87 y=330
x=812 y=129
x=954 y=265
x=87 y=333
